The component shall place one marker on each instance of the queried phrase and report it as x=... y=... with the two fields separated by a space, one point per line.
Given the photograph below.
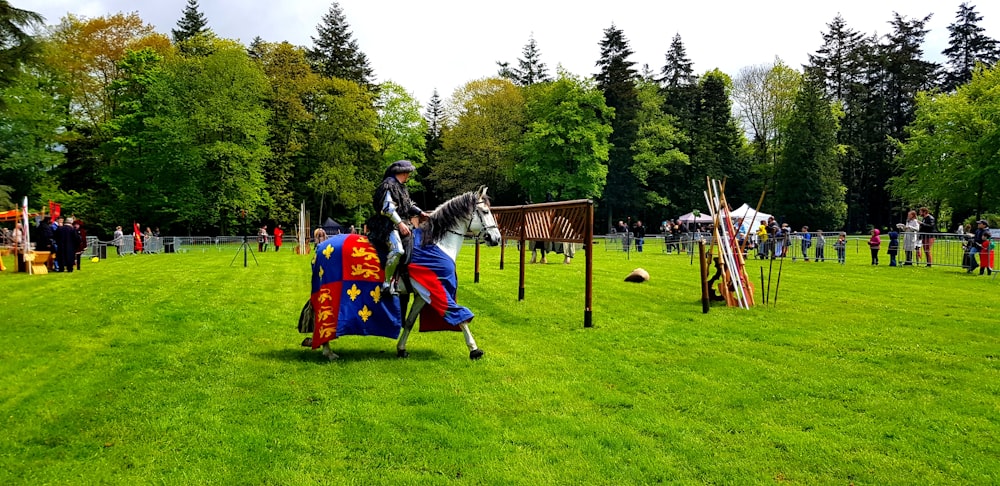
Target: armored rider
x=389 y=229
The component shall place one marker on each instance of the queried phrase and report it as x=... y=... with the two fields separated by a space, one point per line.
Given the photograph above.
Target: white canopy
x=746 y=212
x=690 y=218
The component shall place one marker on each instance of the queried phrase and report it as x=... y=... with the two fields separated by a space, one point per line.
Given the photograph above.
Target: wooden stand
x=38 y=261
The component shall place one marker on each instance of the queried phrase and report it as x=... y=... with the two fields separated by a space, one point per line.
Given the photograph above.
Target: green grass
x=182 y=369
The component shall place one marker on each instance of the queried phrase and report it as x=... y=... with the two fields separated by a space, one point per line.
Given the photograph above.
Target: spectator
x=841 y=247
x=118 y=239
x=893 y=246
x=19 y=247
x=67 y=241
x=762 y=242
x=820 y=245
x=806 y=242
x=875 y=243
x=910 y=230
x=43 y=235
x=640 y=235
x=986 y=251
x=319 y=236
x=928 y=226
x=622 y=229
x=981 y=246
x=279 y=233
x=262 y=239
x=78 y=226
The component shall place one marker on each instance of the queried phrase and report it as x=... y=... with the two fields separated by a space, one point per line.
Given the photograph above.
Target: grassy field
x=182 y=369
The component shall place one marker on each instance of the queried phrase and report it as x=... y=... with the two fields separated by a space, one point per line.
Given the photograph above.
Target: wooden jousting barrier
x=554 y=222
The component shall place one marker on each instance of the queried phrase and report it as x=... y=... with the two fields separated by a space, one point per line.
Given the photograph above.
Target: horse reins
x=468 y=228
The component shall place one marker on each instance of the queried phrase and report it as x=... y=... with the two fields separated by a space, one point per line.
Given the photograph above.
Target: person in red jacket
x=278 y=233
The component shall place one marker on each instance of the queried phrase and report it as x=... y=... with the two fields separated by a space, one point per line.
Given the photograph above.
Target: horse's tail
x=307 y=318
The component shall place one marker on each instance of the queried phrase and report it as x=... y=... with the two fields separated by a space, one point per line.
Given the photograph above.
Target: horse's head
x=483 y=223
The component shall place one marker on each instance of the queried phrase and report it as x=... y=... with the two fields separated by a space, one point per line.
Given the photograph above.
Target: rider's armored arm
x=415 y=210
x=389 y=209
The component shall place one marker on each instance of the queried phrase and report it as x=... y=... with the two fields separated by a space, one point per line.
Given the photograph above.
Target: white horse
x=441 y=238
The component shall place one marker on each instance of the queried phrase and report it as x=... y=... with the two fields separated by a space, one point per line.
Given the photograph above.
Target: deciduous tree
x=485 y=120
x=565 y=148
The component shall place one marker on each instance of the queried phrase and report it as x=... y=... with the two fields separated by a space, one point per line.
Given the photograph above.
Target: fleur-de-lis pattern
x=353 y=292
x=347 y=296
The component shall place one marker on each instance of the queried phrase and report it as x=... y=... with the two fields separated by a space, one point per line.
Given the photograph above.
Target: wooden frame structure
x=554 y=222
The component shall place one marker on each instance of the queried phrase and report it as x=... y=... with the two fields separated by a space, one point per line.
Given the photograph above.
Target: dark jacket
x=44 y=237
x=380 y=226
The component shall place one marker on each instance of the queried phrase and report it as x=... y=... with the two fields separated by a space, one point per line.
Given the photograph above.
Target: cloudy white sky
x=442 y=44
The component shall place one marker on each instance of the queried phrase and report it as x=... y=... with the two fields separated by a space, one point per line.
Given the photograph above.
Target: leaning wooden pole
x=703 y=264
x=750 y=228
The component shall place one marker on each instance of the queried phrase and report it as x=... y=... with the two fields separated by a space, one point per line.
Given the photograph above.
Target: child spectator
x=893 y=247
x=841 y=246
x=806 y=242
x=875 y=243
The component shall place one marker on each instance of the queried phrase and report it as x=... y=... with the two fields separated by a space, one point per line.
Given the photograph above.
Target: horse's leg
x=474 y=352
x=411 y=318
x=330 y=355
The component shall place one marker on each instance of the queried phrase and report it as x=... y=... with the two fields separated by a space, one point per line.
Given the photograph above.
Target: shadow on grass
x=307 y=355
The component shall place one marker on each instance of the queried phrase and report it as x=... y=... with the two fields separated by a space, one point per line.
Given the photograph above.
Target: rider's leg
x=396 y=252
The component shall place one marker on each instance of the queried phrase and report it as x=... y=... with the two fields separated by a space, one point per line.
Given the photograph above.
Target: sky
x=440 y=45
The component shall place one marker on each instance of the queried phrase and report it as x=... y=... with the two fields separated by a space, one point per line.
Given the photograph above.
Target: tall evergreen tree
x=16 y=45
x=808 y=188
x=907 y=73
x=678 y=69
x=837 y=62
x=336 y=54
x=434 y=115
x=681 y=97
x=716 y=141
x=192 y=23
x=967 y=46
x=617 y=80
x=530 y=68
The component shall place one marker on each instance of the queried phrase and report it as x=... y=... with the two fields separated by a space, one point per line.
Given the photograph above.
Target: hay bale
x=638 y=276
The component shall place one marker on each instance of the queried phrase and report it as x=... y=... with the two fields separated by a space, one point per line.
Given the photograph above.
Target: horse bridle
x=480 y=214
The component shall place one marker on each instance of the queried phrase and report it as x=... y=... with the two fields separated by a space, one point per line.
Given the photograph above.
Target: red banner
x=54 y=210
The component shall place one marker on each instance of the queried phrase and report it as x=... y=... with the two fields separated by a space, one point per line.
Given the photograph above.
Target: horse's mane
x=445 y=215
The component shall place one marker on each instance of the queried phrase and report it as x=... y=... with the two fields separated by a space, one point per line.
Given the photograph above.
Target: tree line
x=198 y=134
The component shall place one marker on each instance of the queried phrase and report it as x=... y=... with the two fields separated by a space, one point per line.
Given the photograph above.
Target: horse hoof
x=307 y=342
x=476 y=354
x=402 y=353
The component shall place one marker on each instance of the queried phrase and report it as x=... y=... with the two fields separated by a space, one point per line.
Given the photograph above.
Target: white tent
x=690 y=218
x=746 y=212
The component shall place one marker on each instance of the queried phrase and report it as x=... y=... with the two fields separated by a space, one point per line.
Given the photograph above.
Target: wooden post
x=588 y=232
x=477 y=261
x=503 y=248
x=520 y=280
